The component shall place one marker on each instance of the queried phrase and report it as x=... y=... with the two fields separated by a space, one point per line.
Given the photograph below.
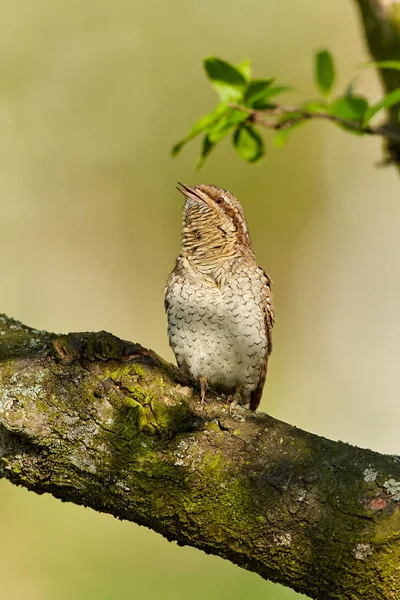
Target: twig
x=279 y=120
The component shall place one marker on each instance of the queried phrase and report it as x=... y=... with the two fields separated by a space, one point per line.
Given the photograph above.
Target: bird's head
x=214 y=227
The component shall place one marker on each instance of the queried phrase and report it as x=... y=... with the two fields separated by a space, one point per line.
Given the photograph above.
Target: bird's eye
x=219 y=200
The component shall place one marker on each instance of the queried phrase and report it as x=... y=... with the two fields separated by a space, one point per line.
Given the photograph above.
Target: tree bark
x=98 y=421
x=381 y=23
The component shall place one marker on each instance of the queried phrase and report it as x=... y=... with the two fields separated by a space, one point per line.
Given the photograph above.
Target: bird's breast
x=217 y=332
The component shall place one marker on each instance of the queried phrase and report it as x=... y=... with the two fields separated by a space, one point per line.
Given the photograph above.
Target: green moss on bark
x=106 y=423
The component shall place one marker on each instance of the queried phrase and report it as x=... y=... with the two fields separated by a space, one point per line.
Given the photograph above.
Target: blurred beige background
x=93 y=95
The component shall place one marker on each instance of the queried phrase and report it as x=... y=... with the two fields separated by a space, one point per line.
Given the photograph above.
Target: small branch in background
x=258 y=117
x=246 y=103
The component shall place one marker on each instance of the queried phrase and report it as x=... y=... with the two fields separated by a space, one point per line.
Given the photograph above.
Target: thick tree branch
x=98 y=421
x=381 y=22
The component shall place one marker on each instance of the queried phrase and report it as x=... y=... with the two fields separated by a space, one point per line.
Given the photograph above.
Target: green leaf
x=245 y=68
x=256 y=91
x=324 y=71
x=275 y=90
x=282 y=135
x=203 y=124
x=225 y=124
x=226 y=79
x=248 y=144
x=176 y=148
x=350 y=108
x=207 y=147
x=358 y=106
x=390 y=99
x=208 y=120
x=260 y=91
x=383 y=64
x=315 y=106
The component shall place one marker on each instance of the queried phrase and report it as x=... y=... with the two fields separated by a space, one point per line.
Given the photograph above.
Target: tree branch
x=102 y=422
x=284 y=117
x=381 y=22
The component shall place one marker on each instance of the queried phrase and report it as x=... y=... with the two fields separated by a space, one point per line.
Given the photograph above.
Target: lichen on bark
x=99 y=421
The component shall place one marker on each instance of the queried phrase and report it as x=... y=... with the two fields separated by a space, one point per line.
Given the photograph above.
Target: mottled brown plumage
x=218 y=300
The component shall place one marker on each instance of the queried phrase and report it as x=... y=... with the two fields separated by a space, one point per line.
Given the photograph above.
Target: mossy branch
x=98 y=421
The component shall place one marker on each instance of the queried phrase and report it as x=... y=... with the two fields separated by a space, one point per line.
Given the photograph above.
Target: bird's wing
x=269 y=321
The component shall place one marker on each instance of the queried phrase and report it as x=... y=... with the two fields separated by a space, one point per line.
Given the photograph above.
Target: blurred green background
x=93 y=95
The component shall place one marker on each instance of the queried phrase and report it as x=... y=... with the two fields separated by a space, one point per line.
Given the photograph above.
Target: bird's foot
x=233 y=400
x=203 y=388
x=238 y=399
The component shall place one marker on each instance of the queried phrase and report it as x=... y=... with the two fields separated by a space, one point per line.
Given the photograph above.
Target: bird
x=218 y=299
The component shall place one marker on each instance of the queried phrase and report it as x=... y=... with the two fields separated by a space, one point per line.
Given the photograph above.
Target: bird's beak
x=190 y=192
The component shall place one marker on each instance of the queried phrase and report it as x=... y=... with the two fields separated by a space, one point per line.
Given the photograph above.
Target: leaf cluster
x=246 y=104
